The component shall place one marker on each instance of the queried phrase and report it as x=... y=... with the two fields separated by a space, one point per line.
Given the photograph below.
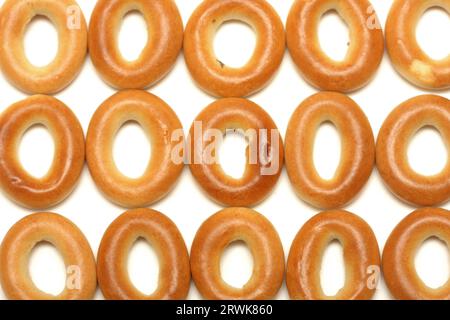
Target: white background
x=187 y=205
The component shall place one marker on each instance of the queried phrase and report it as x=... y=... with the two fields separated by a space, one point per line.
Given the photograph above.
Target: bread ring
x=159 y=122
x=163 y=235
x=218 y=232
x=361 y=254
x=165 y=30
x=213 y=75
x=358 y=150
x=261 y=172
x=68 y=160
x=400 y=251
x=405 y=52
x=18 y=243
x=68 y=19
x=365 y=50
x=392 y=146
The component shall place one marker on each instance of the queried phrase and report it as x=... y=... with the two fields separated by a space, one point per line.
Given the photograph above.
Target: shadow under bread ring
x=69 y=155
x=160 y=124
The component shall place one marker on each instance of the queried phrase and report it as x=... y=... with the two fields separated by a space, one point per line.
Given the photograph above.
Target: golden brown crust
x=357 y=156
x=67 y=238
x=68 y=160
x=210 y=73
x=218 y=232
x=405 y=52
x=361 y=255
x=165 y=30
x=400 y=251
x=159 y=122
x=162 y=234
x=260 y=176
x=392 y=150
x=68 y=19
x=364 y=54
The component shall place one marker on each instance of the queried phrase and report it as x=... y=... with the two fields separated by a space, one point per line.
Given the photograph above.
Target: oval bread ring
x=404 y=50
x=18 y=243
x=69 y=21
x=261 y=173
x=365 y=50
x=400 y=251
x=68 y=160
x=358 y=150
x=208 y=71
x=160 y=123
x=216 y=234
x=163 y=235
x=392 y=150
x=165 y=39
x=361 y=256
